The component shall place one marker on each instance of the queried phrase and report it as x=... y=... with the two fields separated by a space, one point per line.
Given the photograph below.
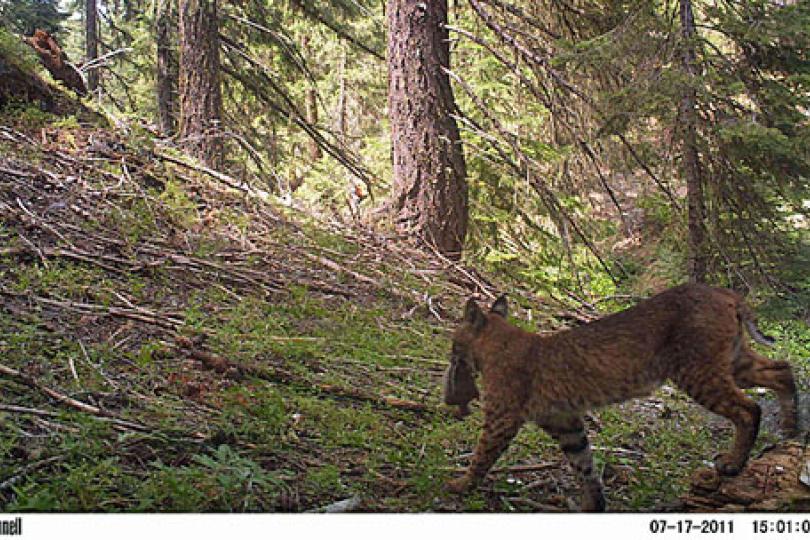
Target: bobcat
x=692 y=335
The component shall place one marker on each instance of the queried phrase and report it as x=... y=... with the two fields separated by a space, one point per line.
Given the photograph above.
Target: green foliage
x=273 y=436
x=223 y=480
x=28 y=113
x=180 y=207
x=15 y=52
x=25 y=16
x=255 y=414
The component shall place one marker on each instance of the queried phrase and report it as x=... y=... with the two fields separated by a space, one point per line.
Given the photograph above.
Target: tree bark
x=341 y=114
x=697 y=262
x=430 y=186
x=167 y=75
x=200 y=92
x=129 y=10
x=313 y=149
x=91 y=41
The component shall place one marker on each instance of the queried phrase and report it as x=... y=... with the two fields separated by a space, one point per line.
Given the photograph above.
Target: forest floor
x=171 y=342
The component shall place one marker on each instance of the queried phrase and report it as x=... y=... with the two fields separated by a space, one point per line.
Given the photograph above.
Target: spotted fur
x=693 y=335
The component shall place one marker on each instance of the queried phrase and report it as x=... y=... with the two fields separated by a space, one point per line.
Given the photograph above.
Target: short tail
x=747 y=318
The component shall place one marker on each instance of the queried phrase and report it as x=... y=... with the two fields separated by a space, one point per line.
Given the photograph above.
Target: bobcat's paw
x=458 y=485
x=728 y=465
x=462 y=412
x=594 y=502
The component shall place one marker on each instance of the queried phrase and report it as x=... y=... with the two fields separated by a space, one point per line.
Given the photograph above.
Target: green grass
x=221 y=442
x=266 y=442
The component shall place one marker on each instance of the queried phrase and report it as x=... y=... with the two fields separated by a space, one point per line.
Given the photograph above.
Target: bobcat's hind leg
x=569 y=432
x=752 y=369
x=720 y=394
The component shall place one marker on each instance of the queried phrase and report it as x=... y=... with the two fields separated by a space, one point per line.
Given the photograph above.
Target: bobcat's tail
x=747 y=318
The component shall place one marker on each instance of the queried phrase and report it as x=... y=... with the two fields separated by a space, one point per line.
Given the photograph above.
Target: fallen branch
x=346 y=505
x=67 y=400
x=541 y=507
x=10 y=481
x=102 y=61
x=221 y=365
x=514 y=468
x=332 y=265
x=362 y=396
x=224 y=178
x=27 y=410
x=135 y=313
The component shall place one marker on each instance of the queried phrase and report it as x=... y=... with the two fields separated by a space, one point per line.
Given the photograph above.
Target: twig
x=27 y=469
x=26 y=410
x=526 y=468
x=514 y=468
x=72 y=367
x=224 y=178
x=222 y=365
x=346 y=505
x=67 y=400
x=619 y=451
x=536 y=505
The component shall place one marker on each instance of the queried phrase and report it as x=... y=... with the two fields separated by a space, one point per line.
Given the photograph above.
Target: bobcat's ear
x=474 y=316
x=500 y=307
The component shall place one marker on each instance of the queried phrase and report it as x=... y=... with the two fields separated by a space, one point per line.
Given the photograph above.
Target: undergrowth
x=114 y=285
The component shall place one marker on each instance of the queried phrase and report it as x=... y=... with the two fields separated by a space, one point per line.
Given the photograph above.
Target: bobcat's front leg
x=499 y=430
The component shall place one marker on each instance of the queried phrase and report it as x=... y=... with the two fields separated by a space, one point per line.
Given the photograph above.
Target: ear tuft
x=500 y=306
x=473 y=315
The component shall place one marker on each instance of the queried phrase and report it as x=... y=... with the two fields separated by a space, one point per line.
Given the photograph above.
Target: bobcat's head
x=459 y=379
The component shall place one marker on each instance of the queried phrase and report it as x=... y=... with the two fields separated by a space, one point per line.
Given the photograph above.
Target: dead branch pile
x=88 y=199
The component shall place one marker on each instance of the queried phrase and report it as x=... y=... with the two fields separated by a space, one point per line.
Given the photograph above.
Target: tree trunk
x=166 y=68
x=313 y=149
x=430 y=185
x=341 y=115
x=697 y=264
x=91 y=41
x=200 y=93
x=129 y=10
x=315 y=152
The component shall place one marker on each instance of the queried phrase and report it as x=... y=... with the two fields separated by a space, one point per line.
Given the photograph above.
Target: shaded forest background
x=588 y=131
x=279 y=207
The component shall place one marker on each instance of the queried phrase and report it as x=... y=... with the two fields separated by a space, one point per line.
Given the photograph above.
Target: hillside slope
x=172 y=342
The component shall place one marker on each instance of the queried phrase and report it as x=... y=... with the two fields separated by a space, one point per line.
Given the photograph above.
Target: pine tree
x=25 y=16
x=166 y=73
x=691 y=165
x=200 y=92
x=430 y=185
x=91 y=41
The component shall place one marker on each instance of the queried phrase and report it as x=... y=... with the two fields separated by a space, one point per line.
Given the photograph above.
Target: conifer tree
x=430 y=185
x=200 y=92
